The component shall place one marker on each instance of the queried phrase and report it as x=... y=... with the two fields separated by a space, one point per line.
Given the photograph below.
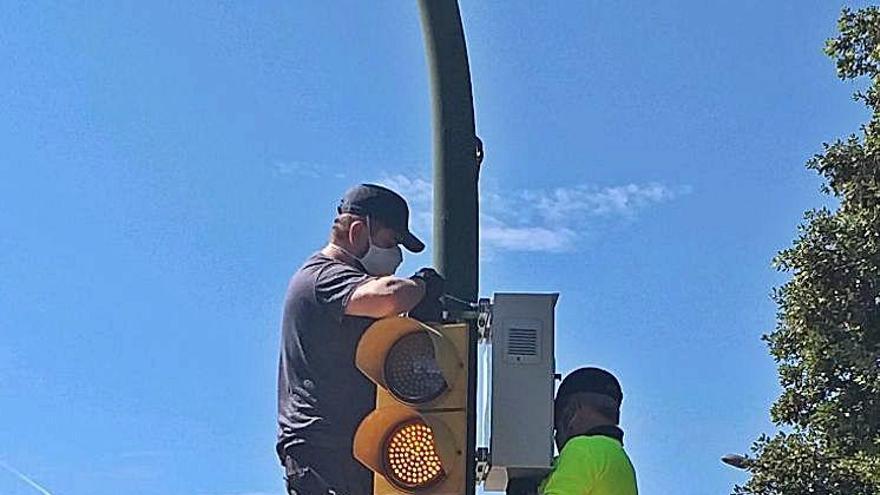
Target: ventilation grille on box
x=522 y=342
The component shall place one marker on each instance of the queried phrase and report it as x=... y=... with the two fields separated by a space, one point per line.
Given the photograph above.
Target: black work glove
x=430 y=308
x=435 y=284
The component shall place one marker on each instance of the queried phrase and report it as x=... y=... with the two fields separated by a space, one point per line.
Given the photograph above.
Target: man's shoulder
x=313 y=267
x=306 y=276
x=592 y=445
x=319 y=263
x=324 y=279
x=602 y=462
x=315 y=261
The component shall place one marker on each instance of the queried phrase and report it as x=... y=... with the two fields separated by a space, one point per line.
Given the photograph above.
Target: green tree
x=827 y=339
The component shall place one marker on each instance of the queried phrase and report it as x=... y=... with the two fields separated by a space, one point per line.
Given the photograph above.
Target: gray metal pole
x=456 y=226
x=456 y=211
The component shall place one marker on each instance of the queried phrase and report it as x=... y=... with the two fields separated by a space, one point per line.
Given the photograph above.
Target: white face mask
x=381 y=261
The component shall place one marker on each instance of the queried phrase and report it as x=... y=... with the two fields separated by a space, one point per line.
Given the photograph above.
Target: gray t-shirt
x=322 y=396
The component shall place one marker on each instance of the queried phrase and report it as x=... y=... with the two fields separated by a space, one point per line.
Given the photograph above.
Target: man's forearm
x=405 y=293
x=386 y=296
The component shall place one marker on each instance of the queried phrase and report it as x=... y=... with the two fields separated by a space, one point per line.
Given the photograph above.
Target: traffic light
x=414 y=440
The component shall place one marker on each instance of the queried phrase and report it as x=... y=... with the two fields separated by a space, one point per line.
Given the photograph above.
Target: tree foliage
x=827 y=339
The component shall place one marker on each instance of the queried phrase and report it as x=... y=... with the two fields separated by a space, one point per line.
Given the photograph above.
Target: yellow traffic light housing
x=411 y=452
x=414 y=440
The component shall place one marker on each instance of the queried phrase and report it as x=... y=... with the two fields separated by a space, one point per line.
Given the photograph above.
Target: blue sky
x=167 y=165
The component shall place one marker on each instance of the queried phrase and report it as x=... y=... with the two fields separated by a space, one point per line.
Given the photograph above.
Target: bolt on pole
x=456 y=168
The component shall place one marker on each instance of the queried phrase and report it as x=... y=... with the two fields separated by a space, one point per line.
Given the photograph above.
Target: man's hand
x=435 y=284
x=430 y=308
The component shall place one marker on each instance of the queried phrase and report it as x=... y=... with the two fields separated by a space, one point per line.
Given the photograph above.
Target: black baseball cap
x=591 y=380
x=385 y=205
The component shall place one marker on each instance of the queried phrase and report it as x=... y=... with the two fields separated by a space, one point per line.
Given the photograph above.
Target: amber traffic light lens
x=411 y=370
x=410 y=456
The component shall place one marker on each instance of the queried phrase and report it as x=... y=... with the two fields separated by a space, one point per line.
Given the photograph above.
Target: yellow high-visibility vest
x=591 y=465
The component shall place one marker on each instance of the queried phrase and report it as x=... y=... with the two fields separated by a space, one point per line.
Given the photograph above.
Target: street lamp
x=738 y=461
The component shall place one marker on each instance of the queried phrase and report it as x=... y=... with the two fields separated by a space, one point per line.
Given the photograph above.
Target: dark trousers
x=311 y=470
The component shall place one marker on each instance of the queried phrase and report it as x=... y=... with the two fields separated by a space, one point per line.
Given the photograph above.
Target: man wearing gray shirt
x=331 y=300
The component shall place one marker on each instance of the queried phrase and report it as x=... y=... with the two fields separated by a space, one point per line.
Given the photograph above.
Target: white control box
x=522 y=385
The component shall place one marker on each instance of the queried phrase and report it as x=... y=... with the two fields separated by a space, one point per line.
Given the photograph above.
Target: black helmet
x=592 y=380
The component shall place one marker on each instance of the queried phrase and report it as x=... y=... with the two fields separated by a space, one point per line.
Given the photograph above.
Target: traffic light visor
x=411 y=451
x=413 y=361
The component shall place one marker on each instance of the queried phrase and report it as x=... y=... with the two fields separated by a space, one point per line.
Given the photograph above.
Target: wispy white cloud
x=308 y=170
x=416 y=190
x=419 y=193
x=528 y=238
x=24 y=478
x=543 y=220
x=563 y=202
